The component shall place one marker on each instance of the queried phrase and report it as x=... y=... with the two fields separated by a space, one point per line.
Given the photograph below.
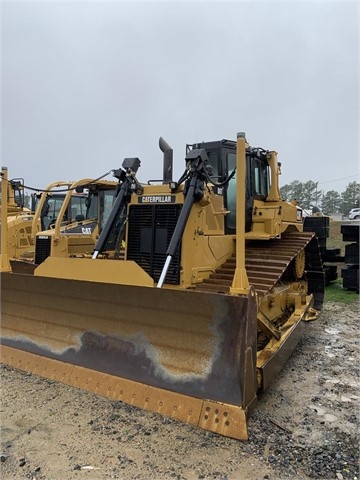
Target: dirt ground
x=305 y=426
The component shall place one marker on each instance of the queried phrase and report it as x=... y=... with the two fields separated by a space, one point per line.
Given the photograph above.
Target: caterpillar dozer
x=24 y=224
x=19 y=219
x=60 y=211
x=202 y=309
x=76 y=236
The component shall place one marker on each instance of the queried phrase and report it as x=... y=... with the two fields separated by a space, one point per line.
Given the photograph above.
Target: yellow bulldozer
x=19 y=219
x=23 y=223
x=58 y=213
x=200 y=311
x=76 y=237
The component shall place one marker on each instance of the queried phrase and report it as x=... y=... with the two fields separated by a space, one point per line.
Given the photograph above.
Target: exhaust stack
x=168 y=160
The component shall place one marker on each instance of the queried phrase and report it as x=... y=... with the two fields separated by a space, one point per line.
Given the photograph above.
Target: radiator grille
x=42 y=249
x=149 y=234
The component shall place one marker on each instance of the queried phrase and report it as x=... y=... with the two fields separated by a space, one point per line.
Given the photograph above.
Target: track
x=266 y=262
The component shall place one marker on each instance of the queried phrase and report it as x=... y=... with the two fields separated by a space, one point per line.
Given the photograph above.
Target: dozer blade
x=188 y=355
x=22 y=266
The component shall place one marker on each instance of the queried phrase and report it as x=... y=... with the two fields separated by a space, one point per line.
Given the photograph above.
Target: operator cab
x=222 y=159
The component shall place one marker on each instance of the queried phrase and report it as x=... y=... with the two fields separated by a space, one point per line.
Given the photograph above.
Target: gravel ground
x=305 y=426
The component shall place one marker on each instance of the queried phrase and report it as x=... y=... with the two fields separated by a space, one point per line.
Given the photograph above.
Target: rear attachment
x=185 y=354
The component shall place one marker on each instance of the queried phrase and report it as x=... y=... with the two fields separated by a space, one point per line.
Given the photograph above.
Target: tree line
x=308 y=195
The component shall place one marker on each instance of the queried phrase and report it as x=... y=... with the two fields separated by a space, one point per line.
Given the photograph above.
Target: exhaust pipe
x=168 y=160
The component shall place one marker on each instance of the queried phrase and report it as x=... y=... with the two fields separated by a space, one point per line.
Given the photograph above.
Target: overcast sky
x=86 y=84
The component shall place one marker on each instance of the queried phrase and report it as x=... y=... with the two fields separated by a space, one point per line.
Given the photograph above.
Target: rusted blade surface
x=198 y=344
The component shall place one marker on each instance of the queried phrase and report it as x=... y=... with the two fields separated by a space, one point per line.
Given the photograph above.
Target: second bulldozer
x=201 y=310
x=76 y=236
x=19 y=220
x=23 y=223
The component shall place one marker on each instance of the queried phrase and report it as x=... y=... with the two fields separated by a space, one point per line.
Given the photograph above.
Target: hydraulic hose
x=179 y=229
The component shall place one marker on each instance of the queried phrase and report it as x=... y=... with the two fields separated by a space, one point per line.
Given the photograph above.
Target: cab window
x=261 y=178
x=231 y=192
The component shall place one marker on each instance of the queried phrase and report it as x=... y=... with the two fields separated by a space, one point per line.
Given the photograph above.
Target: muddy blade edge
x=189 y=355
